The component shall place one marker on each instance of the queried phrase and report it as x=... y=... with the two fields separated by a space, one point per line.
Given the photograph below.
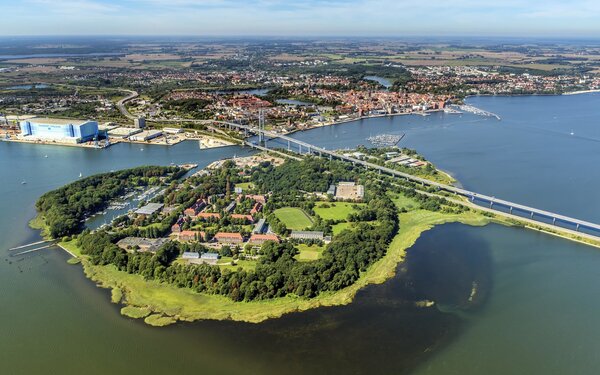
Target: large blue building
x=62 y=130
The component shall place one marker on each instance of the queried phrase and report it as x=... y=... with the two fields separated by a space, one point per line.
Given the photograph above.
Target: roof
x=210 y=256
x=264 y=237
x=190 y=255
x=149 y=209
x=228 y=235
x=56 y=121
x=306 y=232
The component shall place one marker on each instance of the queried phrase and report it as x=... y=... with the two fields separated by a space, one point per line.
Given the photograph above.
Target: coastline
x=167 y=304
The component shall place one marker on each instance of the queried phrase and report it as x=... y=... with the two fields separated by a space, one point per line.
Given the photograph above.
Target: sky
x=552 y=18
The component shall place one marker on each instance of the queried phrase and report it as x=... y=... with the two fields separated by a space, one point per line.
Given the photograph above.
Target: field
x=293 y=218
x=335 y=211
x=308 y=253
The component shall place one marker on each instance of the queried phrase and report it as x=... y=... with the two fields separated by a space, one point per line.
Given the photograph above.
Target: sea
x=538 y=295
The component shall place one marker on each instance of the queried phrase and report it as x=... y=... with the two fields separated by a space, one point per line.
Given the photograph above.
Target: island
x=252 y=238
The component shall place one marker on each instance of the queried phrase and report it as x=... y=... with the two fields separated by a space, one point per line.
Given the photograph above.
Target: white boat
x=23 y=182
x=80 y=174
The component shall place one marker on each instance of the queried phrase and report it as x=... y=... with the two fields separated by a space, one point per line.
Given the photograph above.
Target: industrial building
x=145 y=135
x=61 y=130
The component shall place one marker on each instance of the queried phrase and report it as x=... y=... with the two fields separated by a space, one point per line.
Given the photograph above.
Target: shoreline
x=168 y=304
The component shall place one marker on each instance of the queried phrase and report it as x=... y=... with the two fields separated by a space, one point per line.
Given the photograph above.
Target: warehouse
x=61 y=130
x=145 y=135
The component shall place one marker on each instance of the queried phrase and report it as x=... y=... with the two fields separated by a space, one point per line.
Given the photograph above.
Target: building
x=209 y=258
x=225 y=237
x=123 y=132
x=260 y=226
x=307 y=235
x=149 y=209
x=256 y=209
x=139 y=123
x=230 y=207
x=349 y=191
x=61 y=130
x=242 y=217
x=208 y=216
x=191 y=235
x=173 y=130
x=195 y=208
x=178 y=226
x=141 y=244
x=331 y=190
x=259 y=239
x=145 y=135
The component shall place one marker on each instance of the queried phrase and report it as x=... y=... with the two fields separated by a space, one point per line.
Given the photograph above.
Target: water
x=28 y=87
x=293 y=102
x=537 y=297
x=256 y=92
x=382 y=81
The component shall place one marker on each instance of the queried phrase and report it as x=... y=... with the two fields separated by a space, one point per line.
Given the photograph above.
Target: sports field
x=293 y=218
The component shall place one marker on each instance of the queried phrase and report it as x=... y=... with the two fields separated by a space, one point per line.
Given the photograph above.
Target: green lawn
x=336 y=210
x=340 y=227
x=308 y=253
x=293 y=218
x=404 y=202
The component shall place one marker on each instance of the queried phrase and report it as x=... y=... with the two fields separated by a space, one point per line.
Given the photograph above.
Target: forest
x=277 y=273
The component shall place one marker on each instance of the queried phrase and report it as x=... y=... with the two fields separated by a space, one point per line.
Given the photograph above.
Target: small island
x=248 y=239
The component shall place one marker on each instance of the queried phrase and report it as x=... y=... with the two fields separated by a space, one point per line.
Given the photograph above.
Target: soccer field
x=293 y=218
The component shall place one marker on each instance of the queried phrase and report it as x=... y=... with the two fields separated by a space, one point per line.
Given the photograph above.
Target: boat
x=23 y=182
x=80 y=174
x=45 y=156
x=572 y=133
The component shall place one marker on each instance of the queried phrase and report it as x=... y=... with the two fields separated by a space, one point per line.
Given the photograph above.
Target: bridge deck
x=453 y=189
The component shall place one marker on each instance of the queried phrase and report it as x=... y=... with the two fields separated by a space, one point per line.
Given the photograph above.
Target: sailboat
x=80 y=174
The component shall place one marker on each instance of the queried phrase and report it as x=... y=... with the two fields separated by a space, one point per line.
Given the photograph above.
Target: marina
x=385 y=140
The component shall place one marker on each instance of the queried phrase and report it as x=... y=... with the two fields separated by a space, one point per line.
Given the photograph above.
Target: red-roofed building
x=247 y=218
x=208 y=215
x=262 y=199
x=191 y=235
x=224 y=237
x=259 y=239
x=256 y=209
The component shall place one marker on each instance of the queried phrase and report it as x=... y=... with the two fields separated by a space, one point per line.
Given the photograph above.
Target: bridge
x=511 y=208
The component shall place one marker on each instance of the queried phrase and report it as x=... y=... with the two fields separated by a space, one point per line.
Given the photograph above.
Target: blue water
x=538 y=313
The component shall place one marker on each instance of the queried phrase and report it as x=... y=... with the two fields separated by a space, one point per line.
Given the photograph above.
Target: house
x=195 y=208
x=307 y=235
x=246 y=218
x=259 y=198
x=196 y=258
x=191 y=235
x=225 y=237
x=256 y=208
x=178 y=226
x=259 y=239
x=208 y=215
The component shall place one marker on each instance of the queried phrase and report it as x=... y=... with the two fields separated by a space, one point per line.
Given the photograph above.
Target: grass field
x=308 y=253
x=293 y=218
x=245 y=186
x=336 y=211
x=402 y=201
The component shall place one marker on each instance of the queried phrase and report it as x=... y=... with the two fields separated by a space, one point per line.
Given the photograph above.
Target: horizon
x=309 y=18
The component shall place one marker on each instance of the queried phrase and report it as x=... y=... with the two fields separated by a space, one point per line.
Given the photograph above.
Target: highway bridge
x=513 y=209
